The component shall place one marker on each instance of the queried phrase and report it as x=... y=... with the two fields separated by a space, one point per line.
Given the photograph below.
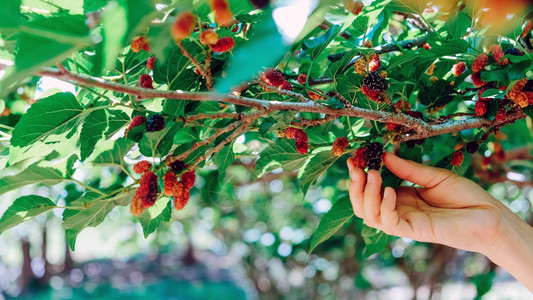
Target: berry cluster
x=457 y=158
x=146 y=81
x=340 y=145
x=300 y=137
x=180 y=190
x=369 y=156
x=146 y=193
x=373 y=86
x=139 y=43
x=274 y=77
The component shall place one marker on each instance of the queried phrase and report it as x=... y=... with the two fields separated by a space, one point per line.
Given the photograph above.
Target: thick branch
x=422 y=129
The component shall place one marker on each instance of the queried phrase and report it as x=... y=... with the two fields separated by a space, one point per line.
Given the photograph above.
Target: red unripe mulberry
x=403 y=105
x=183 y=26
x=290 y=132
x=148 y=187
x=375 y=63
x=458 y=69
x=286 y=86
x=302 y=78
x=359 y=158
x=314 y=96
x=140 y=43
x=272 y=77
x=391 y=126
x=479 y=62
x=150 y=63
x=188 y=179
x=371 y=94
x=476 y=79
x=181 y=196
x=224 y=44
x=355 y=7
x=137 y=206
x=146 y=81
x=497 y=52
x=138 y=120
x=141 y=166
x=481 y=108
x=170 y=182
x=457 y=158
x=223 y=14
x=340 y=145
x=301 y=139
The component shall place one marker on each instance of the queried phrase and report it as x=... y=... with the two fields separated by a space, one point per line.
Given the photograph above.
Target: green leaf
x=528 y=111
x=458 y=25
x=150 y=142
x=332 y=221
x=224 y=157
x=100 y=124
x=281 y=154
x=152 y=217
x=53 y=115
x=264 y=48
x=314 y=168
x=140 y=13
x=375 y=240
x=114 y=31
x=74 y=222
x=24 y=208
x=174 y=71
x=111 y=152
x=174 y=107
x=10 y=17
x=31 y=175
x=315 y=46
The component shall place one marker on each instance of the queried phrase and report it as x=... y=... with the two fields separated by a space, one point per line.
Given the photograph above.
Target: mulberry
x=497 y=52
x=371 y=94
x=375 y=82
x=183 y=26
x=138 y=120
x=391 y=126
x=383 y=74
x=188 y=179
x=476 y=79
x=472 y=147
x=286 y=86
x=373 y=155
x=500 y=115
x=375 y=63
x=340 y=145
x=430 y=70
x=520 y=98
x=302 y=79
x=141 y=167
x=137 y=207
x=514 y=52
x=458 y=69
x=259 y=4
x=359 y=158
x=272 y=77
x=302 y=147
x=403 y=105
x=181 y=196
x=360 y=66
x=479 y=62
x=301 y=139
x=290 y=132
x=150 y=63
x=368 y=44
x=527 y=28
x=148 y=189
x=155 y=123
x=140 y=43
x=224 y=44
x=223 y=14
x=169 y=183
x=457 y=158
x=177 y=166
x=426 y=46
x=355 y=7
x=415 y=114
x=208 y=37
x=314 y=96
x=146 y=81
x=481 y=108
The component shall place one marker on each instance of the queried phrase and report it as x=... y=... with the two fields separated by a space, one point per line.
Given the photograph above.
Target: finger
x=389 y=214
x=372 y=199
x=423 y=175
x=356 y=187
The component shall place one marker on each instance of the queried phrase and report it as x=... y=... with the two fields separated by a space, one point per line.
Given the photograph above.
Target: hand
x=446 y=209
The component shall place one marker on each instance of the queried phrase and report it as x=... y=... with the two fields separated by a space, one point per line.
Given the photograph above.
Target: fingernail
x=369 y=177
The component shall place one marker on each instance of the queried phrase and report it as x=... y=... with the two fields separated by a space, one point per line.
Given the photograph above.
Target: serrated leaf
x=152 y=217
x=314 y=168
x=53 y=115
x=281 y=154
x=340 y=213
x=224 y=158
x=375 y=240
x=100 y=124
x=150 y=141
x=174 y=71
x=24 y=208
x=75 y=222
x=111 y=152
x=31 y=175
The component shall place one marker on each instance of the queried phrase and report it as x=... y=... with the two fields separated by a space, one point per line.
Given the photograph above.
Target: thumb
x=420 y=174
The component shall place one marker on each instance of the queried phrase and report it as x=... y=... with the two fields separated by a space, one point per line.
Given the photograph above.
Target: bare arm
x=446 y=209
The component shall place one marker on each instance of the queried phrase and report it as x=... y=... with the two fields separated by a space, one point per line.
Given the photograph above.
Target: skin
x=446 y=209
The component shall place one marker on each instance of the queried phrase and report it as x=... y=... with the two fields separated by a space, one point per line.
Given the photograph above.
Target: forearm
x=513 y=249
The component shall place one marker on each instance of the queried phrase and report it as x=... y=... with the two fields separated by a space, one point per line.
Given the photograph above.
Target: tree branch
x=203 y=71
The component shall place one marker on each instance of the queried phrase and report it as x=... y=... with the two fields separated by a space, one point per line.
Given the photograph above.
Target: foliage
x=221 y=109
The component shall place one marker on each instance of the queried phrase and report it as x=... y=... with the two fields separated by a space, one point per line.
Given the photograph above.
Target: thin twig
x=199 y=67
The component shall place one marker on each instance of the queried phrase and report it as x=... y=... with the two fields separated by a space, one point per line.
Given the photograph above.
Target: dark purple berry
x=373 y=155
x=472 y=147
x=155 y=123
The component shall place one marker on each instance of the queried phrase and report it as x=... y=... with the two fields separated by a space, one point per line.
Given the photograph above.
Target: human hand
x=446 y=209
